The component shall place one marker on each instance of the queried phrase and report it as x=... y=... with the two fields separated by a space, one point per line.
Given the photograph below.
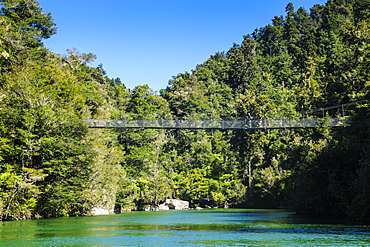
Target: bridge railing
x=219 y=124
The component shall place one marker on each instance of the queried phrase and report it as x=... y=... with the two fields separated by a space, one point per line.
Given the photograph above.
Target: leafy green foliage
x=52 y=165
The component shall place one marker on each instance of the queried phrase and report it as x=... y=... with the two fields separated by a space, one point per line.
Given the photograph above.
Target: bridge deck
x=219 y=124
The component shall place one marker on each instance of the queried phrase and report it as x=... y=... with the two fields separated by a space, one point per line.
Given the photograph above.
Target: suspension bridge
x=252 y=123
x=220 y=124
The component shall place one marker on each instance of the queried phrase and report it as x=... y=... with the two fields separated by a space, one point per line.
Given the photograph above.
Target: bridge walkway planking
x=220 y=124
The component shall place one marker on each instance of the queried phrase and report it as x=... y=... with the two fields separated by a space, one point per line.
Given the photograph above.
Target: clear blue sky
x=149 y=41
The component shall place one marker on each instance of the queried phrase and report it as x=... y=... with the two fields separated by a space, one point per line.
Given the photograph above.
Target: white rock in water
x=177 y=204
x=152 y=208
x=99 y=211
x=169 y=204
x=163 y=207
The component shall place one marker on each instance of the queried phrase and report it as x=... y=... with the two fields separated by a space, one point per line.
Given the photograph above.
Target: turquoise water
x=216 y=227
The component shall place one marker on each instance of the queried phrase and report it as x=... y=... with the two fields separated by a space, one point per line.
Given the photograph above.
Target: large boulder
x=163 y=207
x=174 y=204
x=100 y=211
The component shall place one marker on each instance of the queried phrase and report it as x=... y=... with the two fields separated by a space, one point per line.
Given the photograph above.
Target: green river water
x=216 y=227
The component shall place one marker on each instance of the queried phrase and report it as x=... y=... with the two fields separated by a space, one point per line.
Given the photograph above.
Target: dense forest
x=52 y=164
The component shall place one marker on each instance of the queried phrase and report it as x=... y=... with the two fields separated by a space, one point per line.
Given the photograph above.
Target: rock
x=169 y=204
x=199 y=208
x=177 y=204
x=99 y=211
x=163 y=207
x=174 y=204
x=152 y=208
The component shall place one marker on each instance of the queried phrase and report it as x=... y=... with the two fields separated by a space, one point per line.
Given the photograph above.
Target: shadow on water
x=216 y=227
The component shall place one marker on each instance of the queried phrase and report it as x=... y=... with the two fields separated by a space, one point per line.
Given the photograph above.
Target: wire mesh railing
x=220 y=124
